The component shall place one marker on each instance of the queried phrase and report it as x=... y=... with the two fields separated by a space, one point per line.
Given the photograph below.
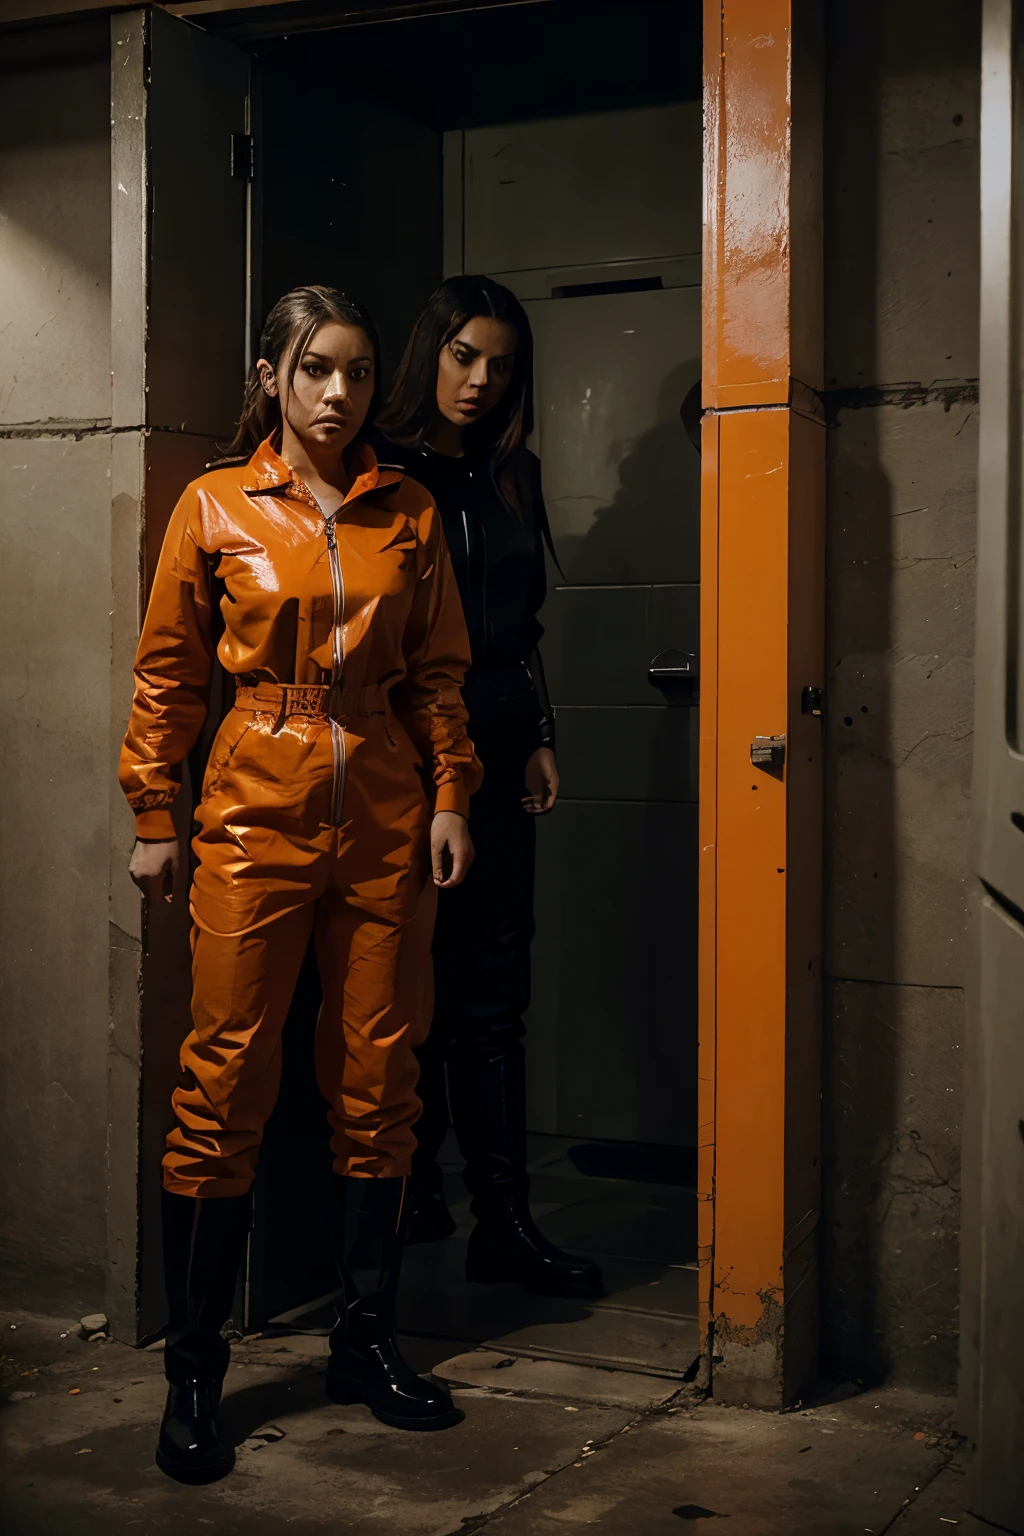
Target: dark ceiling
x=508 y=63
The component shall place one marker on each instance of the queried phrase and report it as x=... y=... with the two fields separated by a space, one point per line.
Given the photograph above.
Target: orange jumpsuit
x=348 y=646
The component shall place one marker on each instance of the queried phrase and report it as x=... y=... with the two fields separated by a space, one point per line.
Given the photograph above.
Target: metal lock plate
x=768 y=751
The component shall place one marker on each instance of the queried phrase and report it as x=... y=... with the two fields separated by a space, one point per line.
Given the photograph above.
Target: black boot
x=203 y=1243
x=365 y=1364
x=488 y=1097
x=431 y=1218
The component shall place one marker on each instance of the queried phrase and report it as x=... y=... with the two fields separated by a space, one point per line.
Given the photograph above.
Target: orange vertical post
x=762 y=649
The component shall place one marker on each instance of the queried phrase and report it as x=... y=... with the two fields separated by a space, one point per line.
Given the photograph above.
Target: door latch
x=677 y=674
x=768 y=751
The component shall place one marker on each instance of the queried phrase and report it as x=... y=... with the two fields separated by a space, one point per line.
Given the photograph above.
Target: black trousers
x=481 y=958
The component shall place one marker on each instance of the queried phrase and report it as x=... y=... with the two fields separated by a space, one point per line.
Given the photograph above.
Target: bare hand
x=541 y=782
x=451 y=849
x=153 y=867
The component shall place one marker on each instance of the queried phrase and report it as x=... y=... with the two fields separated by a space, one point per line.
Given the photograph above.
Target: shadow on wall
x=859 y=1065
x=900 y=263
x=632 y=536
x=628 y=788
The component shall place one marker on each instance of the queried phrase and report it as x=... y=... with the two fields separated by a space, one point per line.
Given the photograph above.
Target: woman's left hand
x=451 y=849
x=541 y=782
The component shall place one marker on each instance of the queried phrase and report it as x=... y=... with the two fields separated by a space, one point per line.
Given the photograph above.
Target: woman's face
x=326 y=401
x=474 y=370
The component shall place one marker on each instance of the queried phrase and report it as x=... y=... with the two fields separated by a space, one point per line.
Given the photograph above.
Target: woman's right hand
x=153 y=866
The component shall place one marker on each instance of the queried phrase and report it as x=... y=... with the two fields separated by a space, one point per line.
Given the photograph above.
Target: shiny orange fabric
x=258 y=530
x=374 y=963
x=284 y=845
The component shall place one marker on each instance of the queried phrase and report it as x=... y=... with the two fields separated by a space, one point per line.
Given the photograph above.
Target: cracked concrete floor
x=544 y=1448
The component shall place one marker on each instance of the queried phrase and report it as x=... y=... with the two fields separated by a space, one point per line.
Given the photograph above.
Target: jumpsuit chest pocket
x=318 y=617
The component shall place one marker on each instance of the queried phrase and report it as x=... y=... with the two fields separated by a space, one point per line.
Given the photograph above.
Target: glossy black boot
x=488 y=1097
x=203 y=1242
x=431 y=1219
x=365 y=1365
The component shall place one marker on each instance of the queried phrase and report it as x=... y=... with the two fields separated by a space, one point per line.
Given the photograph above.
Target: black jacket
x=498 y=557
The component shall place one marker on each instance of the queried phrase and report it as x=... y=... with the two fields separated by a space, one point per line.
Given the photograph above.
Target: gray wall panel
x=55 y=640
x=54 y=835
x=902 y=206
x=621 y=480
x=55 y=237
x=528 y=208
x=628 y=754
x=600 y=641
x=892 y=1135
x=901 y=573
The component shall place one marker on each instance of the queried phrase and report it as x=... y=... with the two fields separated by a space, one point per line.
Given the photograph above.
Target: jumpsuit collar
x=268 y=473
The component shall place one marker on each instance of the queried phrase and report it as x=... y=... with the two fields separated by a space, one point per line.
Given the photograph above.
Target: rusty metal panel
x=762 y=530
x=762 y=185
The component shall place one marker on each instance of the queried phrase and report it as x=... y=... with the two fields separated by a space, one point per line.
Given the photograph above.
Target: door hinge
x=768 y=751
x=243 y=156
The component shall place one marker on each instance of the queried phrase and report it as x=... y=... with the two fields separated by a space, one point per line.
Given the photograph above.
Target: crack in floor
x=473 y=1523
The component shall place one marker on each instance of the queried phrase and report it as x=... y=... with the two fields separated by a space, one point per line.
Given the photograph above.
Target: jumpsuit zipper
x=337 y=662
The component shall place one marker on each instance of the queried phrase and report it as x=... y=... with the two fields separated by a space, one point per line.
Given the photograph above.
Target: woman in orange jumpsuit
x=336 y=786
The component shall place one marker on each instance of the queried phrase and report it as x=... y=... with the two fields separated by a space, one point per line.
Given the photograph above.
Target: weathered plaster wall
x=55 y=453
x=901 y=368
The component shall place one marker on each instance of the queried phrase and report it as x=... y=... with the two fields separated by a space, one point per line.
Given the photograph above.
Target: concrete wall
x=55 y=457
x=901 y=369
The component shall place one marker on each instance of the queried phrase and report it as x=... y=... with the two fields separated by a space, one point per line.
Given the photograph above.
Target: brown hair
x=410 y=408
x=286 y=333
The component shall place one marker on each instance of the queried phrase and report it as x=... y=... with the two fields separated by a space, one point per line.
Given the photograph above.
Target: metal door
x=992 y=1340
x=613 y=1025
x=599 y=219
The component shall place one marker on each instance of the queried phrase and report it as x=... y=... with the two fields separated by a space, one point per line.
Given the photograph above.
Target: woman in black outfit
x=457 y=420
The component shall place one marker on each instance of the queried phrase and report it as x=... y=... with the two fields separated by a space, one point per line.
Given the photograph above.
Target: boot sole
x=196 y=1476
x=340 y=1391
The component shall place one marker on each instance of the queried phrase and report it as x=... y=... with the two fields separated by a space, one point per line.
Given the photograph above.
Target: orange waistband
x=284 y=699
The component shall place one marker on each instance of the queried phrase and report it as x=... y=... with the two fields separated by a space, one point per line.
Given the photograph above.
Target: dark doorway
x=377 y=148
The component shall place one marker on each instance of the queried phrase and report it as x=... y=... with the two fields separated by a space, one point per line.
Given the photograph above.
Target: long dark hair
x=411 y=406
x=286 y=333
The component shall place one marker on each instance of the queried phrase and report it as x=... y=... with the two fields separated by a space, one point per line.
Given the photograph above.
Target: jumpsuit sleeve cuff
x=452 y=796
x=155 y=826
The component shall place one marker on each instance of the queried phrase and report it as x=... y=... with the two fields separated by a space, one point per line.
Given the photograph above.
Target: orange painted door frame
x=762 y=658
